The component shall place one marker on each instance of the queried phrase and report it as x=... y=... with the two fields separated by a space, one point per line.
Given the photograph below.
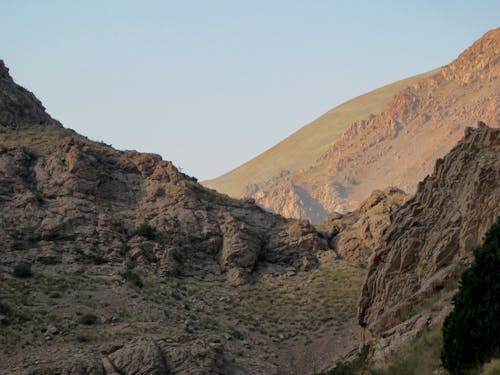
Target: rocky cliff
x=18 y=106
x=414 y=271
x=59 y=187
x=115 y=262
x=397 y=146
x=356 y=234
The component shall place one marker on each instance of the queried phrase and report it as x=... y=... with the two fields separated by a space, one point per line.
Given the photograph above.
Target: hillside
x=397 y=145
x=302 y=148
x=114 y=262
x=415 y=270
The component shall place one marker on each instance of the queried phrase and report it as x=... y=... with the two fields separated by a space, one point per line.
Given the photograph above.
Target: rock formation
x=18 y=106
x=355 y=235
x=394 y=147
x=114 y=262
x=430 y=241
x=58 y=187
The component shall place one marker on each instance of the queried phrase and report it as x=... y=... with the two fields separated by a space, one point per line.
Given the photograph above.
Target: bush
x=471 y=332
x=145 y=230
x=132 y=278
x=88 y=319
x=22 y=270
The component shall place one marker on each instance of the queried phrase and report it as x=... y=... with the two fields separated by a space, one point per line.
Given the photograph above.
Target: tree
x=471 y=332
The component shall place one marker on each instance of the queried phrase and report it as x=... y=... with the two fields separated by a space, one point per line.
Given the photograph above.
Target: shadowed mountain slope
x=414 y=271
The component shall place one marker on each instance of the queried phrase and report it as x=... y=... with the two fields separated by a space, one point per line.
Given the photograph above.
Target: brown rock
x=431 y=237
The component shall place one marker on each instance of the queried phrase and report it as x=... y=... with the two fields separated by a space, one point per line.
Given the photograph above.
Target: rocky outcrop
x=430 y=241
x=145 y=357
x=394 y=147
x=18 y=106
x=105 y=238
x=355 y=235
x=80 y=196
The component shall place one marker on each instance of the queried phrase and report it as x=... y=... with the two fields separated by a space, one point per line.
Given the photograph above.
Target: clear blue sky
x=210 y=84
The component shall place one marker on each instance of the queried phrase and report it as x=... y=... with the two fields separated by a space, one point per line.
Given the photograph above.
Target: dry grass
x=303 y=147
x=273 y=314
x=418 y=357
x=40 y=139
x=288 y=307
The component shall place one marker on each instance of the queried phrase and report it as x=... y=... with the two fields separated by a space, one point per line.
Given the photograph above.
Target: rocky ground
x=101 y=318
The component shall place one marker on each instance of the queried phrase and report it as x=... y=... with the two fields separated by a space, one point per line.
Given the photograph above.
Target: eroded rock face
x=355 y=235
x=95 y=197
x=79 y=196
x=145 y=357
x=431 y=237
x=18 y=106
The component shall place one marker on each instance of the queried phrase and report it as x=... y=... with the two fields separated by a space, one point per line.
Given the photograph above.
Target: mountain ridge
x=380 y=150
x=371 y=102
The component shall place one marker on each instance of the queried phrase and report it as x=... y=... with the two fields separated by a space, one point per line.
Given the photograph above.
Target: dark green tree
x=471 y=332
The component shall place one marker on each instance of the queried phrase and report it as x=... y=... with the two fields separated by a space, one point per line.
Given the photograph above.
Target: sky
x=211 y=84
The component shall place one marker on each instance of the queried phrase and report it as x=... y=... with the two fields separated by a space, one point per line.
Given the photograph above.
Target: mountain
x=414 y=271
x=115 y=262
x=393 y=142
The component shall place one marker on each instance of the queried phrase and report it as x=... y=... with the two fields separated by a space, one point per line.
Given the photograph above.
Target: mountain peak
x=18 y=106
x=481 y=61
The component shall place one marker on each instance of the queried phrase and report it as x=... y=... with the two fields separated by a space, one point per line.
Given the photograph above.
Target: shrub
x=145 y=230
x=22 y=270
x=471 y=332
x=132 y=278
x=88 y=319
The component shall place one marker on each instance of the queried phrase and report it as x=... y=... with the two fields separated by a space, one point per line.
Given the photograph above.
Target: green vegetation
x=472 y=330
x=145 y=230
x=22 y=270
x=133 y=278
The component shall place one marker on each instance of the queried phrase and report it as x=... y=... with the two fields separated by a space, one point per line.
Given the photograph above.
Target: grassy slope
x=303 y=147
